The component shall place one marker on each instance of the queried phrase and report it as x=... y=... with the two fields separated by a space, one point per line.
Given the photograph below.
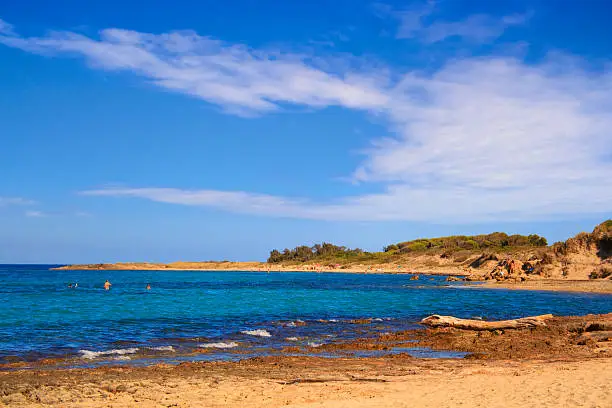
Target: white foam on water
x=219 y=345
x=377 y=319
x=333 y=320
x=258 y=332
x=90 y=355
x=314 y=345
x=292 y=339
x=295 y=323
x=162 y=348
x=121 y=358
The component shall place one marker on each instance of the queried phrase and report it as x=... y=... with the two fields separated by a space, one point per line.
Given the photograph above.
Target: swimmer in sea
x=107 y=285
x=148 y=286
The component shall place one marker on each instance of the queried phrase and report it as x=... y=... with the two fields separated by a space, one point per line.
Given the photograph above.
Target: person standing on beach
x=107 y=285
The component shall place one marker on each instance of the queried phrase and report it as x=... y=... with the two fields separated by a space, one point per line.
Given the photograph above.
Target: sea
x=196 y=315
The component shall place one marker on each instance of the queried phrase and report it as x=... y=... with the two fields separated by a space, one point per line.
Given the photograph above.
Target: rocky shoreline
x=572 y=352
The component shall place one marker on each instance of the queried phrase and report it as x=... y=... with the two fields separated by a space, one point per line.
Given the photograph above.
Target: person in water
x=148 y=286
x=107 y=285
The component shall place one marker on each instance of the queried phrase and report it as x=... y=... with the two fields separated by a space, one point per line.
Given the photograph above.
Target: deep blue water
x=42 y=317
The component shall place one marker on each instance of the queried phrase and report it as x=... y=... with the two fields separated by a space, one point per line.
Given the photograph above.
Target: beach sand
x=425 y=384
x=556 y=285
x=421 y=265
x=418 y=267
x=313 y=383
x=544 y=367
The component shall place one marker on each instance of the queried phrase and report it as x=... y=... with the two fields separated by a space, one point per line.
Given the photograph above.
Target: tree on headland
x=327 y=252
x=304 y=253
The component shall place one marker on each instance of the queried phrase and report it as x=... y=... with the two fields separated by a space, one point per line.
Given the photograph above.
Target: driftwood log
x=469 y=324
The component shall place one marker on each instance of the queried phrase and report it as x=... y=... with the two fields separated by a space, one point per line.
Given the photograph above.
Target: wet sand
x=566 y=363
x=556 y=285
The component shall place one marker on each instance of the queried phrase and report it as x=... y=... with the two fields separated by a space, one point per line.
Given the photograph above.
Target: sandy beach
x=416 y=268
x=556 y=285
x=561 y=364
x=375 y=383
x=406 y=267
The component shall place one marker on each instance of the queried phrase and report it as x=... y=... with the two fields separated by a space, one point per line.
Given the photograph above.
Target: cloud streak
x=479 y=139
x=240 y=79
x=6 y=201
x=35 y=214
x=417 y=22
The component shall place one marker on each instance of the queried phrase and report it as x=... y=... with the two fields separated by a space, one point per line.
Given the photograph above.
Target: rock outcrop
x=586 y=255
x=507 y=270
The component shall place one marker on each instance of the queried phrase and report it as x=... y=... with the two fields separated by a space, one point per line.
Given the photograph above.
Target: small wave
x=219 y=345
x=377 y=319
x=296 y=323
x=162 y=348
x=314 y=345
x=90 y=355
x=292 y=339
x=258 y=332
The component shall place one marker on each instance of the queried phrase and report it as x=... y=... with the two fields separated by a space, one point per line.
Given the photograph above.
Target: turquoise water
x=42 y=317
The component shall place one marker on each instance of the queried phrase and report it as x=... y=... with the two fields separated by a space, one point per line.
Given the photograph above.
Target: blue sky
x=204 y=130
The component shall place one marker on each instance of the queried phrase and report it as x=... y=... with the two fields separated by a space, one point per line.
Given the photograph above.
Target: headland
x=582 y=263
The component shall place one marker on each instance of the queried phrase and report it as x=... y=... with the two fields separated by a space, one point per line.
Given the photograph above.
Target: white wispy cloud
x=6 y=28
x=236 y=77
x=479 y=139
x=5 y=201
x=35 y=214
x=420 y=21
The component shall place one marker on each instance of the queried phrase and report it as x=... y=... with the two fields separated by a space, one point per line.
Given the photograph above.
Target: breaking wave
x=219 y=345
x=90 y=355
x=258 y=332
x=162 y=348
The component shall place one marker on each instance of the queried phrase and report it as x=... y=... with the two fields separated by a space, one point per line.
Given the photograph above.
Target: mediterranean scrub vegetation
x=331 y=253
x=496 y=240
x=317 y=252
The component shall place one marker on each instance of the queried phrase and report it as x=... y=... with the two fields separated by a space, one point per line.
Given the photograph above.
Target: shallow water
x=256 y=313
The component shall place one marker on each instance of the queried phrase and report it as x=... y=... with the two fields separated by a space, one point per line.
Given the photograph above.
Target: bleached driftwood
x=469 y=324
